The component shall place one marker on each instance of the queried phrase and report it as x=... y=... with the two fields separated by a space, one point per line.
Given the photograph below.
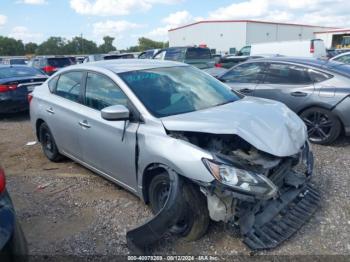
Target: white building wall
x=220 y=36
x=225 y=35
x=262 y=33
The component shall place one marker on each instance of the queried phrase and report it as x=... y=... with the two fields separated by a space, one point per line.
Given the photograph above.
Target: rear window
x=11 y=72
x=60 y=62
x=337 y=67
x=18 y=61
x=198 y=53
x=174 y=54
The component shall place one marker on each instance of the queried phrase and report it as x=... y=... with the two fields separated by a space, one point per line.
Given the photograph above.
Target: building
x=336 y=38
x=229 y=35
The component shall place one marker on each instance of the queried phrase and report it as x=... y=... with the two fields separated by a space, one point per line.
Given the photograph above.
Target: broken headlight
x=242 y=180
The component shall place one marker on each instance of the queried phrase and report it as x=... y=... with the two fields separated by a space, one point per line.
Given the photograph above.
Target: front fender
x=180 y=156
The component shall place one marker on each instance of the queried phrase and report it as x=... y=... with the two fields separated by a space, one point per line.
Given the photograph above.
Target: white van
x=304 y=48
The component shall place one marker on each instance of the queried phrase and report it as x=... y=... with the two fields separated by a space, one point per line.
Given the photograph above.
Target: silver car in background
x=184 y=143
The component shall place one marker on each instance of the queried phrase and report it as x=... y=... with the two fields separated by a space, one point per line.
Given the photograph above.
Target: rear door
x=64 y=110
x=287 y=83
x=108 y=146
x=245 y=77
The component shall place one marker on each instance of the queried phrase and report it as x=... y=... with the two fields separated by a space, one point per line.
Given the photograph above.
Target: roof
x=246 y=21
x=341 y=30
x=126 y=65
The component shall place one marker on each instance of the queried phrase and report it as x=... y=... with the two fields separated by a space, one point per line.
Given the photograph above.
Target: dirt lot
x=66 y=209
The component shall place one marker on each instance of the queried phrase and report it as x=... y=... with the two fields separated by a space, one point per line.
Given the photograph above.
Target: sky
x=127 y=20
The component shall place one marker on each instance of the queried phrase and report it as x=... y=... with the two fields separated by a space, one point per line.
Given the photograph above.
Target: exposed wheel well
x=151 y=171
x=37 y=126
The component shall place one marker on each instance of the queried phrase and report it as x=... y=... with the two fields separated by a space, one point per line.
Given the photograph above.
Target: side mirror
x=115 y=113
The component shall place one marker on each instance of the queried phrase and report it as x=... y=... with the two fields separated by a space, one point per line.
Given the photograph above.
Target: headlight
x=242 y=180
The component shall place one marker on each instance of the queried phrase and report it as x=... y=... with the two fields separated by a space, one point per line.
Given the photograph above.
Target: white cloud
x=115 y=7
x=317 y=12
x=246 y=9
x=34 y=2
x=113 y=28
x=3 y=20
x=171 y=21
x=23 y=33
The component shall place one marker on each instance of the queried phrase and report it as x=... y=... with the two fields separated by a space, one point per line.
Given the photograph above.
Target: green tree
x=11 y=46
x=146 y=43
x=30 y=48
x=80 y=45
x=52 y=46
x=107 y=46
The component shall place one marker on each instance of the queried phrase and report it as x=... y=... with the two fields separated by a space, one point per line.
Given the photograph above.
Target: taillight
x=7 y=88
x=218 y=65
x=312 y=47
x=30 y=97
x=49 y=69
x=2 y=181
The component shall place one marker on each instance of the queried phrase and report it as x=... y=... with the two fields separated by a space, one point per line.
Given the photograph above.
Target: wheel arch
x=326 y=107
x=38 y=123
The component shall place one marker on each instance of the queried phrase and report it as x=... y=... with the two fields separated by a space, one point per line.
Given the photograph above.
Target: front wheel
x=323 y=126
x=195 y=218
x=48 y=143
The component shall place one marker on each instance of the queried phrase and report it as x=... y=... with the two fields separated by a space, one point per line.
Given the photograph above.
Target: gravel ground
x=65 y=209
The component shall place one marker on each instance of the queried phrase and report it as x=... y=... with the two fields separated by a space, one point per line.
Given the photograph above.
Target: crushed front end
x=268 y=197
x=267 y=210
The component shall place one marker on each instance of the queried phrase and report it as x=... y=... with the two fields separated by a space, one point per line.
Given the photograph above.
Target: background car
x=13 y=245
x=15 y=61
x=15 y=84
x=51 y=64
x=342 y=58
x=148 y=54
x=302 y=48
x=317 y=90
x=199 y=57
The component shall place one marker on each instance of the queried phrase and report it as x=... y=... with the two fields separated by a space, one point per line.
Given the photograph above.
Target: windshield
x=10 y=72
x=60 y=62
x=176 y=90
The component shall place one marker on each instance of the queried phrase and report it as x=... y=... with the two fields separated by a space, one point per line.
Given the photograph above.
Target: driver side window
x=102 y=92
x=245 y=73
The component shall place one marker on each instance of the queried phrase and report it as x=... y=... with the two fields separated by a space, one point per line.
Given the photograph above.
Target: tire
x=195 y=219
x=323 y=126
x=48 y=143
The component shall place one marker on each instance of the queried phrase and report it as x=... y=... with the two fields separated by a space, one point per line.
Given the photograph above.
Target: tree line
x=76 y=46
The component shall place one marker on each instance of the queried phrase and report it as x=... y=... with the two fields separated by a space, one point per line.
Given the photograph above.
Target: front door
x=108 y=146
x=244 y=78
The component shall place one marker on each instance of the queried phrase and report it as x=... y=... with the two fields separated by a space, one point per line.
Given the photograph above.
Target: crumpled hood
x=268 y=125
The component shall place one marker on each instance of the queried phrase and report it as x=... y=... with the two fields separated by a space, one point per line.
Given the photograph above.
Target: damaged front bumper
x=264 y=222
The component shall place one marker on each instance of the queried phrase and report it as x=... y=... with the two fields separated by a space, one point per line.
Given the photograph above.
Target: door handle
x=298 y=93
x=84 y=124
x=246 y=90
x=50 y=110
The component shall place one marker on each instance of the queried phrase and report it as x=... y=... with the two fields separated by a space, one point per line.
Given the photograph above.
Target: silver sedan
x=184 y=143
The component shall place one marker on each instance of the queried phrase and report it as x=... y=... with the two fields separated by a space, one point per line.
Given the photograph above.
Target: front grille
x=278 y=174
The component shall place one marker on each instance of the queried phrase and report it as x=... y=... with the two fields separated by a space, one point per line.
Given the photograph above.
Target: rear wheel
x=195 y=219
x=48 y=143
x=322 y=125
